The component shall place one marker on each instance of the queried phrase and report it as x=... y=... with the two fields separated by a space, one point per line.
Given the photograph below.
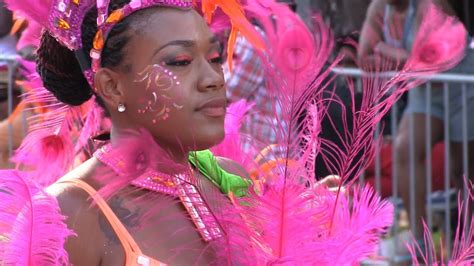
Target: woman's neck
x=172 y=157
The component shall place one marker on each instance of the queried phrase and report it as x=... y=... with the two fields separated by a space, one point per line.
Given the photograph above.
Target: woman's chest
x=165 y=228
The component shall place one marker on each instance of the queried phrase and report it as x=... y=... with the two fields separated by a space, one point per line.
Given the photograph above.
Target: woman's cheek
x=162 y=95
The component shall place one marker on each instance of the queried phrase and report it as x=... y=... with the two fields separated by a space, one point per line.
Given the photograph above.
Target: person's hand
x=332 y=182
x=396 y=55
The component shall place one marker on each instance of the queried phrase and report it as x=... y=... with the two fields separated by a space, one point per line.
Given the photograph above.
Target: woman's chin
x=209 y=140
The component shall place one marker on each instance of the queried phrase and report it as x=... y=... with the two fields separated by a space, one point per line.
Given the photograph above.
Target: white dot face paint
x=163 y=91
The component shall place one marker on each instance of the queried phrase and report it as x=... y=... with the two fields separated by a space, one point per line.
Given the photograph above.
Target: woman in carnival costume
x=153 y=194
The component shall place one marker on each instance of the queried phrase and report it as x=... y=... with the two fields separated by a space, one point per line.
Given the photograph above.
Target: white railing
x=440 y=202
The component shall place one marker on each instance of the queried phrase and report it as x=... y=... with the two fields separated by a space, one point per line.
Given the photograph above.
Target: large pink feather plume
x=53 y=138
x=32 y=230
x=37 y=10
x=295 y=73
x=439 y=44
x=295 y=227
x=31 y=36
x=40 y=149
x=355 y=230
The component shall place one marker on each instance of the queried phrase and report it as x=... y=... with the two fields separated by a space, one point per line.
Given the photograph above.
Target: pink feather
x=31 y=36
x=439 y=44
x=463 y=245
x=32 y=228
x=295 y=72
x=231 y=147
x=292 y=225
x=432 y=53
x=92 y=125
x=37 y=10
x=54 y=132
x=40 y=149
x=138 y=152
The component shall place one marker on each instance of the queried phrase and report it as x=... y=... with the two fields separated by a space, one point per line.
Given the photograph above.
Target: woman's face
x=174 y=84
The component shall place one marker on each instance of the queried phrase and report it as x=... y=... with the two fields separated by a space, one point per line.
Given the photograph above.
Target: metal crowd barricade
x=444 y=201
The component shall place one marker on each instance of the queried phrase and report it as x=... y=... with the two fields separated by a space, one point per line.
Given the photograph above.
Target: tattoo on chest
x=129 y=218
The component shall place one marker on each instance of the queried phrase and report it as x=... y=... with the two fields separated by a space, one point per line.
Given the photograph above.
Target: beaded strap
x=172 y=185
x=105 y=23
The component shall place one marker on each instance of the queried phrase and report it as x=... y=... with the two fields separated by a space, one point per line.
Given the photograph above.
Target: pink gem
x=135 y=4
x=100 y=3
x=101 y=19
x=142 y=260
x=95 y=54
x=62 y=6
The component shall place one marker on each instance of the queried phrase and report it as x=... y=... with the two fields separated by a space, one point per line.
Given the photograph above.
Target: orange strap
x=129 y=245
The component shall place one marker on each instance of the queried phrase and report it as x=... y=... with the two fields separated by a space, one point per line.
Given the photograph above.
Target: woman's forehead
x=163 y=25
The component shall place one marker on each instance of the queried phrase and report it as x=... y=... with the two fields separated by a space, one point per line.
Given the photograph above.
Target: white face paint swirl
x=160 y=85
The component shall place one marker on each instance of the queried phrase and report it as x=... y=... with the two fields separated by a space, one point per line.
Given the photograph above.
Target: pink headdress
x=66 y=19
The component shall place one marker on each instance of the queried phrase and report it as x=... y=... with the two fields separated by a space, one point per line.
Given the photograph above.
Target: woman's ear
x=108 y=87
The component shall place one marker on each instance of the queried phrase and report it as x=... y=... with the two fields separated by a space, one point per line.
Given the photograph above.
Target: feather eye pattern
x=57 y=132
x=295 y=74
x=52 y=127
x=32 y=229
x=439 y=44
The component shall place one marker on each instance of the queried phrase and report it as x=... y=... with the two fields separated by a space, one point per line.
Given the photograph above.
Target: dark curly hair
x=60 y=70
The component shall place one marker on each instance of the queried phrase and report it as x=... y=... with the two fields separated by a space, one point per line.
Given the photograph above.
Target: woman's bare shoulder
x=86 y=247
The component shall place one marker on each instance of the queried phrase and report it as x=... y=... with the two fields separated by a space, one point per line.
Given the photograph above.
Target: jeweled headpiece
x=66 y=18
x=63 y=19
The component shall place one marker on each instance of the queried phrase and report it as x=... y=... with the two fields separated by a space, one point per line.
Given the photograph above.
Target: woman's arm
x=374 y=53
x=371 y=34
x=397 y=55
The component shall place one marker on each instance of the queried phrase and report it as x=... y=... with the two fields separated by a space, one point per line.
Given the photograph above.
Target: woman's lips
x=215 y=107
x=214 y=111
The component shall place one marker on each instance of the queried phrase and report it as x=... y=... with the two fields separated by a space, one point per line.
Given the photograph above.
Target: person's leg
x=457 y=165
x=402 y=146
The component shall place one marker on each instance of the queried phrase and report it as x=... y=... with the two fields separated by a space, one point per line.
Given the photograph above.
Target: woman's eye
x=178 y=62
x=217 y=60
